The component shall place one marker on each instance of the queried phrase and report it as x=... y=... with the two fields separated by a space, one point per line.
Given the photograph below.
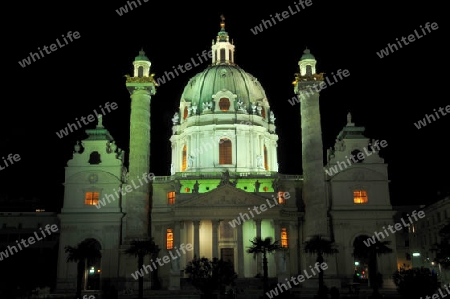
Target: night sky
x=387 y=96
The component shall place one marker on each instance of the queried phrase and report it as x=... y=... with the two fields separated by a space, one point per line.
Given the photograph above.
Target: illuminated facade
x=224 y=162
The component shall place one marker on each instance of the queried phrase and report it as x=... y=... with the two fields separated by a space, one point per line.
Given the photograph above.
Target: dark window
x=94 y=158
x=356 y=158
x=309 y=70
x=141 y=71
x=222 y=55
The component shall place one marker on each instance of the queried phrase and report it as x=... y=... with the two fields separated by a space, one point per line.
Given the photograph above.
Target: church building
x=224 y=188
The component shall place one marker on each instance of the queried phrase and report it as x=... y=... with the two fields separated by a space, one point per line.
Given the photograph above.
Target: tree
x=370 y=254
x=320 y=246
x=442 y=249
x=415 y=283
x=210 y=275
x=264 y=246
x=84 y=254
x=140 y=249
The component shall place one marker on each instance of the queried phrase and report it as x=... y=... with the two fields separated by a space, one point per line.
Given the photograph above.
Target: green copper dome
x=213 y=79
x=141 y=56
x=307 y=55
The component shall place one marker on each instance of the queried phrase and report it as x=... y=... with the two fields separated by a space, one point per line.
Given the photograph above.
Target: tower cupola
x=222 y=49
x=141 y=65
x=307 y=63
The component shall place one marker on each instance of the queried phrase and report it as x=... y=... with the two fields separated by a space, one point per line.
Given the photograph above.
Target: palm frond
x=319 y=245
x=140 y=248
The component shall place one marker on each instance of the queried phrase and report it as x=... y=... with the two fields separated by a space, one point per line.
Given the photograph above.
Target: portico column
x=196 y=238
x=176 y=243
x=215 y=238
x=240 y=263
x=258 y=257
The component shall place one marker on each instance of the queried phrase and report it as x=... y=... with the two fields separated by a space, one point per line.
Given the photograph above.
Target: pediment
x=226 y=195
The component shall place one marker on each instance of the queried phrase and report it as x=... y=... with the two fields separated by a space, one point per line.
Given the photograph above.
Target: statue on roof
x=225 y=180
x=100 y=121
x=196 y=187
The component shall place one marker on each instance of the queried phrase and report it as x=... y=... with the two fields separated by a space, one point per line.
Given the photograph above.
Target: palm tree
x=140 y=249
x=320 y=246
x=370 y=254
x=85 y=252
x=264 y=246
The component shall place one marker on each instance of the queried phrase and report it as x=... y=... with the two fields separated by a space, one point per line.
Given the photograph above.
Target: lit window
x=284 y=238
x=224 y=104
x=183 y=159
x=91 y=198
x=360 y=197
x=263 y=113
x=266 y=163
x=169 y=237
x=171 y=197
x=225 y=152
x=186 y=112
x=281 y=199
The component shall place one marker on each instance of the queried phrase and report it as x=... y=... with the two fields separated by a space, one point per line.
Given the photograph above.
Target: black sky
x=385 y=95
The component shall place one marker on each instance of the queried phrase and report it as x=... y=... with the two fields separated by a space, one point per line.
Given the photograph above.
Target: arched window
x=225 y=151
x=222 y=55
x=140 y=71
x=94 y=158
x=171 y=197
x=360 y=197
x=281 y=198
x=358 y=155
x=184 y=158
x=266 y=163
x=186 y=112
x=224 y=104
x=169 y=238
x=284 y=238
x=309 y=70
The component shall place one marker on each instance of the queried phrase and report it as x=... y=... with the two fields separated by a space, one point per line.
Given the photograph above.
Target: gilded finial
x=222 y=23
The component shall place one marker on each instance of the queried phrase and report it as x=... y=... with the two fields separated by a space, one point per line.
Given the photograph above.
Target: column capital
x=257 y=221
x=216 y=222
